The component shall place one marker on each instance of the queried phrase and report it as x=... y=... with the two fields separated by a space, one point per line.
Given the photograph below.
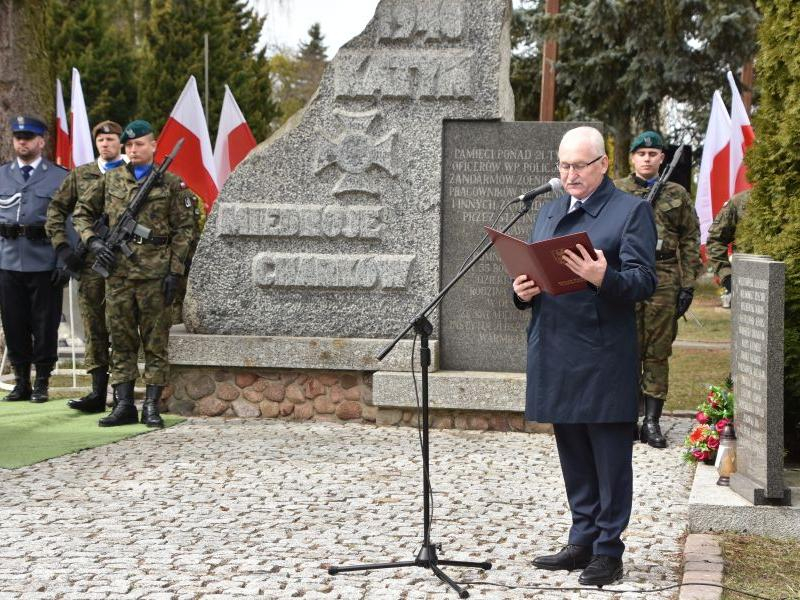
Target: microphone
x=554 y=185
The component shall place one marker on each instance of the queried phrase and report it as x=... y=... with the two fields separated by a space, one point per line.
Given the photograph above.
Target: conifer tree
x=771 y=224
x=173 y=50
x=84 y=34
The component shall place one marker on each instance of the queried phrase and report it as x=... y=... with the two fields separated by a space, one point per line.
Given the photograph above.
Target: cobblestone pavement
x=232 y=509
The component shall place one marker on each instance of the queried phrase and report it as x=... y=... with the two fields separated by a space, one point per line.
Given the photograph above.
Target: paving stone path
x=260 y=508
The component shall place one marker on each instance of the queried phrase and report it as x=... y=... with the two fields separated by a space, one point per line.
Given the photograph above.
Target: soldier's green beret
x=135 y=129
x=647 y=139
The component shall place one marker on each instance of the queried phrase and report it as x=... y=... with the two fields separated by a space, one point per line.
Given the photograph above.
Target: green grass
x=761 y=566
x=715 y=324
x=30 y=433
x=691 y=371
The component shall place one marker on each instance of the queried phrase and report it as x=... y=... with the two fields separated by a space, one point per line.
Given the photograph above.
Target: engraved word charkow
x=431 y=74
x=332 y=271
x=303 y=220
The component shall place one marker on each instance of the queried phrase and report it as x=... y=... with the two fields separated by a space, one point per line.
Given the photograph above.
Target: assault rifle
x=664 y=177
x=126 y=227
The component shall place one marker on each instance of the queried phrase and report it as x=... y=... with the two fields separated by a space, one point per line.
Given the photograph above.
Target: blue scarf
x=114 y=165
x=141 y=171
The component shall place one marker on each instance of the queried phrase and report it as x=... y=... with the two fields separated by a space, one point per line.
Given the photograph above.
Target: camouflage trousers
x=136 y=314
x=657 y=327
x=91 y=301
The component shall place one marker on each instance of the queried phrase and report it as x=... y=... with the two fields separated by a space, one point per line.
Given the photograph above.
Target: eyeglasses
x=577 y=167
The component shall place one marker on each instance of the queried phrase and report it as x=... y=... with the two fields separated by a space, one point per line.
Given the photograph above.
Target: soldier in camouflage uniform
x=139 y=292
x=722 y=233
x=92 y=287
x=677 y=266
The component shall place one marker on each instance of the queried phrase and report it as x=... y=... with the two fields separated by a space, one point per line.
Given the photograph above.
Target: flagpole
x=205 y=61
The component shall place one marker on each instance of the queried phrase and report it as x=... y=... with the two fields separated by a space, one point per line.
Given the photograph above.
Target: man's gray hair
x=588 y=135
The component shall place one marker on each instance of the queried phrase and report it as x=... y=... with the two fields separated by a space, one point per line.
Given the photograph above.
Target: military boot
x=22 y=384
x=650 y=433
x=41 y=384
x=124 y=412
x=94 y=401
x=152 y=397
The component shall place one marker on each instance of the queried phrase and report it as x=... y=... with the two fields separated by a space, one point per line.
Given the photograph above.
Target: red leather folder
x=542 y=261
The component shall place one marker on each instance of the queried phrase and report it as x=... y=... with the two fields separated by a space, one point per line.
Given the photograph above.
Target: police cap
x=106 y=127
x=135 y=129
x=26 y=124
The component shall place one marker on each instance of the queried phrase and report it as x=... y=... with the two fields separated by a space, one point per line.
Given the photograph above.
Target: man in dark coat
x=582 y=371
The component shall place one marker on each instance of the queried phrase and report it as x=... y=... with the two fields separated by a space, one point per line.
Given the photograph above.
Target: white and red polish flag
x=195 y=162
x=62 y=129
x=234 y=138
x=742 y=137
x=713 y=183
x=82 y=147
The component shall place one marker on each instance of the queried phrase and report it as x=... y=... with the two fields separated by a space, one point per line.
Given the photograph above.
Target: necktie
x=578 y=204
x=26 y=171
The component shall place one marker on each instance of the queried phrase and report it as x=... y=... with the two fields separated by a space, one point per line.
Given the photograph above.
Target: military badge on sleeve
x=187 y=201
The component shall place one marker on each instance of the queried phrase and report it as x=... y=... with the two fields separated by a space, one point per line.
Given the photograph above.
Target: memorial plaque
x=757 y=369
x=331 y=228
x=486 y=164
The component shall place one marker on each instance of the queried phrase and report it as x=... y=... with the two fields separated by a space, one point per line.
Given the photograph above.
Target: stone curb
x=702 y=563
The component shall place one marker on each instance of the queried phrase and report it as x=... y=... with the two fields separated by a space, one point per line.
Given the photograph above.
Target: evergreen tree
x=526 y=63
x=84 y=34
x=312 y=61
x=173 y=50
x=772 y=223
x=619 y=60
x=296 y=75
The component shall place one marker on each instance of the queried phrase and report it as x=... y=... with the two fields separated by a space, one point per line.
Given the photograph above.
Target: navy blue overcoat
x=583 y=364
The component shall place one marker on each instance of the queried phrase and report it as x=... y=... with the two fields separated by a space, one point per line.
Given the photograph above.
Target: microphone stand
x=427 y=557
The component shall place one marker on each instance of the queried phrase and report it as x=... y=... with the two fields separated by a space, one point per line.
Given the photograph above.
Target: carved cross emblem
x=358 y=153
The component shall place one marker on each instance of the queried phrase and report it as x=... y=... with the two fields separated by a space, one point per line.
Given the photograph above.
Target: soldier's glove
x=104 y=254
x=726 y=283
x=69 y=258
x=59 y=278
x=685 y=296
x=169 y=286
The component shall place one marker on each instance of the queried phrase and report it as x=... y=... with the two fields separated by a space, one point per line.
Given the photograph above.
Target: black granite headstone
x=485 y=164
x=757 y=368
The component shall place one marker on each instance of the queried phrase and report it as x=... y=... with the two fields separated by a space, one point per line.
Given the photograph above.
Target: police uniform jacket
x=25 y=203
x=582 y=347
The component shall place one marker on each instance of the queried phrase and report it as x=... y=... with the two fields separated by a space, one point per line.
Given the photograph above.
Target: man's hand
x=69 y=258
x=685 y=296
x=59 y=278
x=525 y=288
x=104 y=254
x=584 y=266
x=169 y=287
x=726 y=283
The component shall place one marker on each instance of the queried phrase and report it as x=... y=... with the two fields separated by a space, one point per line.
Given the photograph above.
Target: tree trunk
x=23 y=68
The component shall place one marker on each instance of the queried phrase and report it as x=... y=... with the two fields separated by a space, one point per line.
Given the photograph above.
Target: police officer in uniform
x=31 y=283
x=139 y=292
x=677 y=266
x=92 y=287
x=721 y=234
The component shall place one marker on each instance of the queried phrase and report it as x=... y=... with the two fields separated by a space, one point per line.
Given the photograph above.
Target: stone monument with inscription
x=331 y=228
x=327 y=239
x=757 y=369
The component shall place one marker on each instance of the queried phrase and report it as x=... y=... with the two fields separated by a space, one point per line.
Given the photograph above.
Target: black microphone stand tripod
x=427 y=557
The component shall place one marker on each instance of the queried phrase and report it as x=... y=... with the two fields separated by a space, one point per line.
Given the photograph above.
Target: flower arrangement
x=712 y=415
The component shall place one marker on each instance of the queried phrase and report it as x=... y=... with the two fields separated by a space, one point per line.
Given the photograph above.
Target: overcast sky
x=340 y=20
